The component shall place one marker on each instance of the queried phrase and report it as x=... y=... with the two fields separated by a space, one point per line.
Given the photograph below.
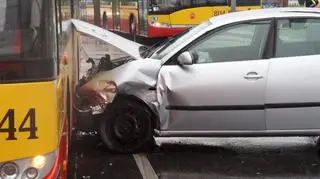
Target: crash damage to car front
x=131 y=75
x=137 y=78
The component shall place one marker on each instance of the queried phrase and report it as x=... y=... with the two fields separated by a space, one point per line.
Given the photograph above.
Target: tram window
x=66 y=9
x=160 y=5
x=247 y=2
x=63 y=14
x=26 y=44
x=21 y=31
x=3 y=8
x=35 y=14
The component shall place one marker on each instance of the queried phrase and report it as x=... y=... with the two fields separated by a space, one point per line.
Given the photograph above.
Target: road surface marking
x=144 y=166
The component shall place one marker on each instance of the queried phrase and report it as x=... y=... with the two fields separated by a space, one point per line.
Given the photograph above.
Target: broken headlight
x=108 y=90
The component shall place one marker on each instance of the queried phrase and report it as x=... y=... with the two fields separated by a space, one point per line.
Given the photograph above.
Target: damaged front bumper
x=89 y=109
x=136 y=78
x=85 y=116
x=132 y=75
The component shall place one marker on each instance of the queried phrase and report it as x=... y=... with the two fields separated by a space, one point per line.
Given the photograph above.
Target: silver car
x=250 y=73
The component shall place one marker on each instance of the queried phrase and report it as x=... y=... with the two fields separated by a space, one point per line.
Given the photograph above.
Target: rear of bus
x=170 y=17
x=30 y=129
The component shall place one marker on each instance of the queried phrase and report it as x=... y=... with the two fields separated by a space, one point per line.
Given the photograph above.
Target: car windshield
x=161 y=44
x=172 y=43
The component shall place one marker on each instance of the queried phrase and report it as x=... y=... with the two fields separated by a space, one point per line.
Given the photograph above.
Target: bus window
x=165 y=5
x=27 y=36
x=19 y=26
x=3 y=8
x=248 y=2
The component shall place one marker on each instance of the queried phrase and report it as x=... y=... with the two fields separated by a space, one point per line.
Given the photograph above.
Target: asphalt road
x=184 y=158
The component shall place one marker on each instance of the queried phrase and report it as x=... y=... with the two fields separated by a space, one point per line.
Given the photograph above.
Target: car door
x=293 y=91
x=224 y=89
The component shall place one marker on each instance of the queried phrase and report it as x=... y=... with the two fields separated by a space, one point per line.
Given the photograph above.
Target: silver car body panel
x=215 y=122
x=210 y=87
x=141 y=80
x=297 y=85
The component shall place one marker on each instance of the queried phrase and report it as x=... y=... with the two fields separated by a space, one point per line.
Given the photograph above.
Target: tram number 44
x=9 y=118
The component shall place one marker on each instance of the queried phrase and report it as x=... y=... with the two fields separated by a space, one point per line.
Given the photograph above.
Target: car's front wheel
x=127 y=126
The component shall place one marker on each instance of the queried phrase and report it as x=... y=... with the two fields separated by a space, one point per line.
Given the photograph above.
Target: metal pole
x=233 y=5
x=96 y=12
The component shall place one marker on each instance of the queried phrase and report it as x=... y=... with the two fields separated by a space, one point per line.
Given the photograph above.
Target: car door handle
x=252 y=76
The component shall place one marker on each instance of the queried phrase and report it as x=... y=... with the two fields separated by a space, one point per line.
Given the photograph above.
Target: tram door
x=116 y=14
x=143 y=17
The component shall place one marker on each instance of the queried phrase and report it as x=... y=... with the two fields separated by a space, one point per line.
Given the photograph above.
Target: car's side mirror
x=185 y=58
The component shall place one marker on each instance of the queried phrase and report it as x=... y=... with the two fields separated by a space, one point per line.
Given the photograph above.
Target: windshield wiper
x=172 y=39
x=145 y=53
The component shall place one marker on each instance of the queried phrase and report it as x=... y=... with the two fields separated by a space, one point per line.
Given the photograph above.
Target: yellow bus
x=37 y=76
x=162 y=18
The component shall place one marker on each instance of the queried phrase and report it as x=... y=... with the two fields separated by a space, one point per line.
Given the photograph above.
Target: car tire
x=127 y=127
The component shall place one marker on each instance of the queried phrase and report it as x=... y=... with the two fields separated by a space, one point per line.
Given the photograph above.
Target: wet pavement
x=294 y=157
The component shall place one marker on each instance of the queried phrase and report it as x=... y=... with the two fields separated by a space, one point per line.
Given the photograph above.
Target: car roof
x=266 y=13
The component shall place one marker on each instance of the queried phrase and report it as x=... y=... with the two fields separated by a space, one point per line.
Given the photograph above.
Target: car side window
x=297 y=37
x=245 y=41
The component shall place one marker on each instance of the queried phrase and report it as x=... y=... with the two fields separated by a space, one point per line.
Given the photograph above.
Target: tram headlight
x=9 y=171
x=39 y=161
x=31 y=173
x=161 y=25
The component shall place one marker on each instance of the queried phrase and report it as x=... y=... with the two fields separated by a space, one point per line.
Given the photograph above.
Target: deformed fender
x=134 y=78
x=137 y=78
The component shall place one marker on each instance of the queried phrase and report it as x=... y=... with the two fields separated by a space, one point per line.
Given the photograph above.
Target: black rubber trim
x=217 y=108
x=293 y=105
x=29 y=70
x=244 y=107
x=39 y=80
x=239 y=133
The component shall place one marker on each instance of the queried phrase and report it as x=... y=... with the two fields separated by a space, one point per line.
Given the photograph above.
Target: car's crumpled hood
x=127 y=46
x=137 y=78
x=129 y=77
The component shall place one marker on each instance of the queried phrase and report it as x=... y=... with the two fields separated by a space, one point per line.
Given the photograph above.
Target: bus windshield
x=27 y=36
